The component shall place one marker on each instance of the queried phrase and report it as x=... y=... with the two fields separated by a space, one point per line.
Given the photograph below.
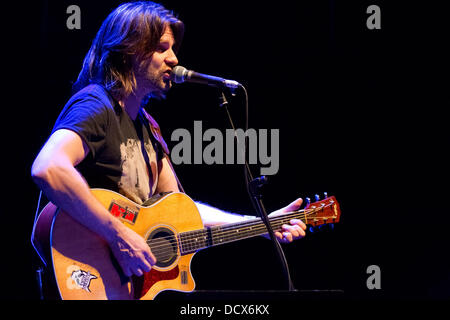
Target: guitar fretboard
x=193 y=241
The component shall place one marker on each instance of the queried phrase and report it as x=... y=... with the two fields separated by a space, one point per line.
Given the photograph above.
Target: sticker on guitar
x=78 y=278
x=123 y=211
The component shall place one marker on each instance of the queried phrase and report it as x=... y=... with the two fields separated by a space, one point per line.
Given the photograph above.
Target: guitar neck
x=193 y=241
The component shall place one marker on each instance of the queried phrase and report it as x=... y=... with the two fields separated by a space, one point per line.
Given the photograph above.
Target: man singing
x=104 y=138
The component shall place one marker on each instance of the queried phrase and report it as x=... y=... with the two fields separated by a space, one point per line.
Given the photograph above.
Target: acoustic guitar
x=85 y=269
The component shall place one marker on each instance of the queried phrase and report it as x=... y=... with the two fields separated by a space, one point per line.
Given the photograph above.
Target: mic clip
x=256 y=184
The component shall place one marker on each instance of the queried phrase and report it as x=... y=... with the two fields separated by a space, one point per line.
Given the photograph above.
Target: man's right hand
x=132 y=252
x=54 y=172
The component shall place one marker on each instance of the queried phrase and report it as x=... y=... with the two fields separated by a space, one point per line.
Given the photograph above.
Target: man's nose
x=172 y=59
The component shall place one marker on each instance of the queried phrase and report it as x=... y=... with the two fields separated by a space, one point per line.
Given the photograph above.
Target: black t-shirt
x=123 y=155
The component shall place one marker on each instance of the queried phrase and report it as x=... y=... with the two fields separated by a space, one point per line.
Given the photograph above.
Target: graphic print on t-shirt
x=123 y=156
x=135 y=180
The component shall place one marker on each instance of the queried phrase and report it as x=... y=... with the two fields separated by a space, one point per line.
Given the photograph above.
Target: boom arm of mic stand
x=253 y=188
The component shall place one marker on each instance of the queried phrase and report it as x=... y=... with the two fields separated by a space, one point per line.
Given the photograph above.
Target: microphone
x=181 y=74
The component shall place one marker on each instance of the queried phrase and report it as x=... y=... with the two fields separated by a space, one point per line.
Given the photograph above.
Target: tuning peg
x=317 y=197
x=308 y=201
x=316 y=229
x=325 y=195
x=322 y=227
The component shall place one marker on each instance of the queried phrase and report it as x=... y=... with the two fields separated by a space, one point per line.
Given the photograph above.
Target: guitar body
x=85 y=269
x=84 y=266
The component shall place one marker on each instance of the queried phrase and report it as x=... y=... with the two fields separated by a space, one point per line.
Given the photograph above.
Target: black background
x=360 y=112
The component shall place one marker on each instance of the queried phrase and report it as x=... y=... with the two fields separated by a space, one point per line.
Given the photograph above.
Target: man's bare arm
x=54 y=172
x=212 y=216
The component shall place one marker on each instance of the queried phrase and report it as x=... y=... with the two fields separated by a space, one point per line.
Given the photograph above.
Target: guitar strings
x=166 y=251
x=226 y=234
x=161 y=245
x=256 y=221
x=164 y=247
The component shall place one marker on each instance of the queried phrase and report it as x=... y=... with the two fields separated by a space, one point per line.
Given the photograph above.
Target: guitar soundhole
x=163 y=243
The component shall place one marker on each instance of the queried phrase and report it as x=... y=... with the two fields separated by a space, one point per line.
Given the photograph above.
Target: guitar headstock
x=326 y=211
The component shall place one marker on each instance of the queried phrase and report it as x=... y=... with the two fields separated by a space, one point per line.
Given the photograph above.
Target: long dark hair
x=133 y=29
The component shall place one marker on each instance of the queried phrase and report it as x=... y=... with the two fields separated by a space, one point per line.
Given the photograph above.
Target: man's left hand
x=293 y=231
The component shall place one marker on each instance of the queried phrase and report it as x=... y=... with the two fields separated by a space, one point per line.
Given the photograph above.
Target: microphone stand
x=254 y=190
